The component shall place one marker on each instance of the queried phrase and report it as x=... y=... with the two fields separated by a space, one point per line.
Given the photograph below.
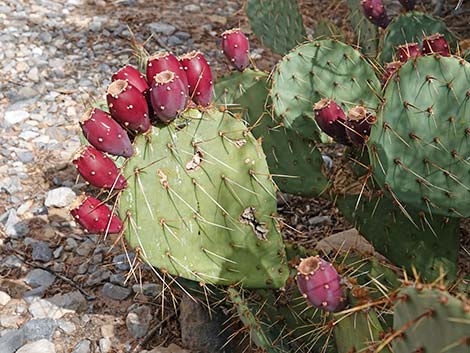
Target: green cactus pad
x=294 y=161
x=316 y=70
x=429 y=245
x=431 y=320
x=411 y=27
x=367 y=34
x=277 y=23
x=420 y=145
x=200 y=203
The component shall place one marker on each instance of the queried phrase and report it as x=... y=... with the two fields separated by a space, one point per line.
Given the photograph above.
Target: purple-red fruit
x=390 y=70
x=94 y=216
x=320 y=284
x=98 y=169
x=104 y=133
x=199 y=76
x=407 y=51
x=331 y=119
x=168 y=95
x=358 y=124
x=163 y=61
x=236 y=48
x=128 y=106
x=375 y=12
x=436 y=43
x=409 y=5
x=134 y=77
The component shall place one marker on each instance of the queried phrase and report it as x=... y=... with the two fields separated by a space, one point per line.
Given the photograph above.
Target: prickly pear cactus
x=367 y=34
x=411 y=27
x=294 y=161
x=316 y=70
x=430 y=320
x=200 y=203
x=414 y=240
x=419 y=146
x=278 y=23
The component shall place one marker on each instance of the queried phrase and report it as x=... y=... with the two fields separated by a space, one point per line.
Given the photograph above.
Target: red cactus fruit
x=375 y=12
x=407 y=51
x=98 y=169
x=134 y=77
x=390 y=70
x=199 y=76
x=167 y=95
x=162 y=61
x=236 y=48
x=128 y=106
x=331 y=119
x=409 y=5
x=94 y=216
x=104 y=133
x=358 y=124
x=436 y=43
x=320 y=284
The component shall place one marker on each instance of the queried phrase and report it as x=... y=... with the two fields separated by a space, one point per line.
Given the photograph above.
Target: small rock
x=162 y=27
x=43 y=346
x=119 y=279
x=85 y=248
x=192 y=8
x=82 y=347
x=121 y=261
x=33 y=74
x=138 y=321
x=38 y=329
x=4 y=298
x=15 y=116
x=107 y=331
x=72 y=301
x=39 y=278
x=98 y=277
x=67 y=327
x=319 y=220
x=41 y=251
x=328 y=162
x=115 y=292
x=105 y=345
x=42 y=210
x=60 y=197
x=11 y=341
x=148 y=289
x=42 y=309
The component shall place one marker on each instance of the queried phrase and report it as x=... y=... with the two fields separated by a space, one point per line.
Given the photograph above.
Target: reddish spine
x=128 y=106
x=134 y=77
x=94 y=216
x=236 y=48
x=199 y=76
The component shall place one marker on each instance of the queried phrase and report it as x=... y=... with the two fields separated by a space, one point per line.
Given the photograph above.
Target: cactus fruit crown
x=309 y=265
x=164 y=77
x=117 y=87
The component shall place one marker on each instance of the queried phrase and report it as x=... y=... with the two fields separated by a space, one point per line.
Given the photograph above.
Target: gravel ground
x=62 y=290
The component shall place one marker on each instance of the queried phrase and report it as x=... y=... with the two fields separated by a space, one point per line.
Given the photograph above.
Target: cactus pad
x=294 y=161
x=200 y=203
x=278 y=23
x=409 y=28
x=431 y=320
x=316 y=70
x=367 y=34
x=420 y=145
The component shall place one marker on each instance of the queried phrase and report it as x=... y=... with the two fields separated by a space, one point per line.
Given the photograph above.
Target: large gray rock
x=38 y=329
x=11 y=341
x=115 y=292
x=82 y=347
x=138 y=321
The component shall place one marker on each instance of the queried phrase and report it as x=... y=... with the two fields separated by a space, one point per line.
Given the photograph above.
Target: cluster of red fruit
x=169 y=87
